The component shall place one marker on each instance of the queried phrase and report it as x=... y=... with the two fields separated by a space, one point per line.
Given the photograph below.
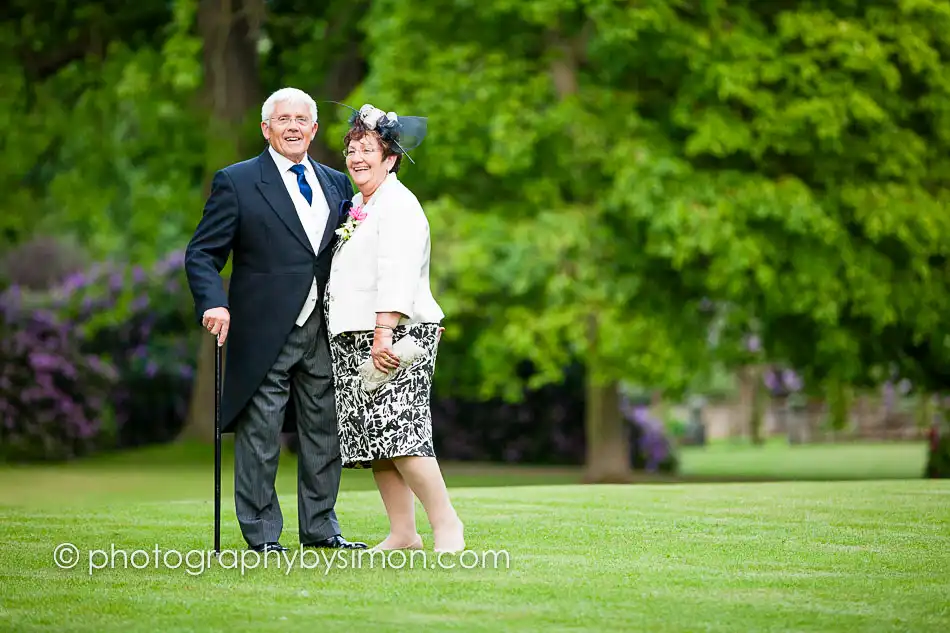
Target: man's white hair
x=292 y=96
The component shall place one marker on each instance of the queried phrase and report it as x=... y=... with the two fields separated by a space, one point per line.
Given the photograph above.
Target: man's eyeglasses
x=303 y=121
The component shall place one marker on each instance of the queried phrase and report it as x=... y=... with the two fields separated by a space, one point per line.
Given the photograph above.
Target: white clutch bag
x=406 y=349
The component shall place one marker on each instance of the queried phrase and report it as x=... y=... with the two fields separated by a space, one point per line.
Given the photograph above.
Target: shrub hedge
x=54 y=399
x=103 y=360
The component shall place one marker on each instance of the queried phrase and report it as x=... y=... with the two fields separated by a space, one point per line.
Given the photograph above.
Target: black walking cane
x=217 y=446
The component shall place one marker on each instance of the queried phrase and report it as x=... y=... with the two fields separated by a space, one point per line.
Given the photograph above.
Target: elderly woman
x=384 y=327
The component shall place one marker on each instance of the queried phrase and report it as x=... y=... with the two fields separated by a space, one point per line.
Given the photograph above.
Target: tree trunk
x=757 y=418
x=751 y=404
x=743 y=411
x=608 y=445
x=608 y=454
x=839 y=407
x=230 y=31
x=231 y=95
x=200 y=423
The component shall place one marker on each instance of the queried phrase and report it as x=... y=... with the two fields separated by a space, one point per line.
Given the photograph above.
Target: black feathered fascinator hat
x=402 y=133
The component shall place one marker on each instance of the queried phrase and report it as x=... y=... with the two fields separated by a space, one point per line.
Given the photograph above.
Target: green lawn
x=785 y=556
x=778 y=460
x=183 y=471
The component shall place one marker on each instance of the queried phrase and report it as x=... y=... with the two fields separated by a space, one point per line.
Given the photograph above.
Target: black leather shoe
x=269 y=547
x=337 y=542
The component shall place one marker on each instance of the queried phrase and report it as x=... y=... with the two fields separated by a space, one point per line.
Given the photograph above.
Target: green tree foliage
x=101 y=138
x=117 y=113
x=599 y=171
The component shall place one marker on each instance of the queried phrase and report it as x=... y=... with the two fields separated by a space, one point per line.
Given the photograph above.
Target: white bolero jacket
x=384 y=265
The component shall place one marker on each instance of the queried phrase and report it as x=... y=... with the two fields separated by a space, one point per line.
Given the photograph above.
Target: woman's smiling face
x=365 y=162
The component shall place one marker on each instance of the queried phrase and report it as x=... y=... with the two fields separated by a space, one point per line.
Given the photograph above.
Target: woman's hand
x=383 y=357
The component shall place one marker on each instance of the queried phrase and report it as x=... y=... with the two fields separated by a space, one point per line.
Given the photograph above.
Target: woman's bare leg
x=400 y=507
x=424 y=478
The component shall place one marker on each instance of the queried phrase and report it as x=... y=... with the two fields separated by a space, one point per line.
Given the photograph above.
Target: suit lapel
x=334 y=198
x=272 y=188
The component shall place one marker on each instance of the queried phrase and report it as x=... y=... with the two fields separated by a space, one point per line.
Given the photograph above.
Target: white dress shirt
x=313 y=217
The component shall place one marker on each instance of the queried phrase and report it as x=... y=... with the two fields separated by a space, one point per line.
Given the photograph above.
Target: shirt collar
x=284 y=164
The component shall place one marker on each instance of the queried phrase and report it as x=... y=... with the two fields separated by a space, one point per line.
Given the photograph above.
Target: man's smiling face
x=290 y=130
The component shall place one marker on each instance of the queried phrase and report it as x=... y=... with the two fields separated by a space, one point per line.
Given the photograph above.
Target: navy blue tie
x=302 y=183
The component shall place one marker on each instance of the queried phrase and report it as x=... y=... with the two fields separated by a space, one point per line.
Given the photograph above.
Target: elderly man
x=277 y=214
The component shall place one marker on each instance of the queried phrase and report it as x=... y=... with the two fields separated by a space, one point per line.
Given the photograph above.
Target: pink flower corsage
x=356 y=216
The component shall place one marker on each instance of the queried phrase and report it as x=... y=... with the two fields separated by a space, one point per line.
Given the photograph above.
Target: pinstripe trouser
x=303 y=371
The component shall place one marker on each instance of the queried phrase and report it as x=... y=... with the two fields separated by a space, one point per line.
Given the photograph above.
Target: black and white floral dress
x=396 y=419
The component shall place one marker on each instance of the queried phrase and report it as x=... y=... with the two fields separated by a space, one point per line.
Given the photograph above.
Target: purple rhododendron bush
x=103 y=360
